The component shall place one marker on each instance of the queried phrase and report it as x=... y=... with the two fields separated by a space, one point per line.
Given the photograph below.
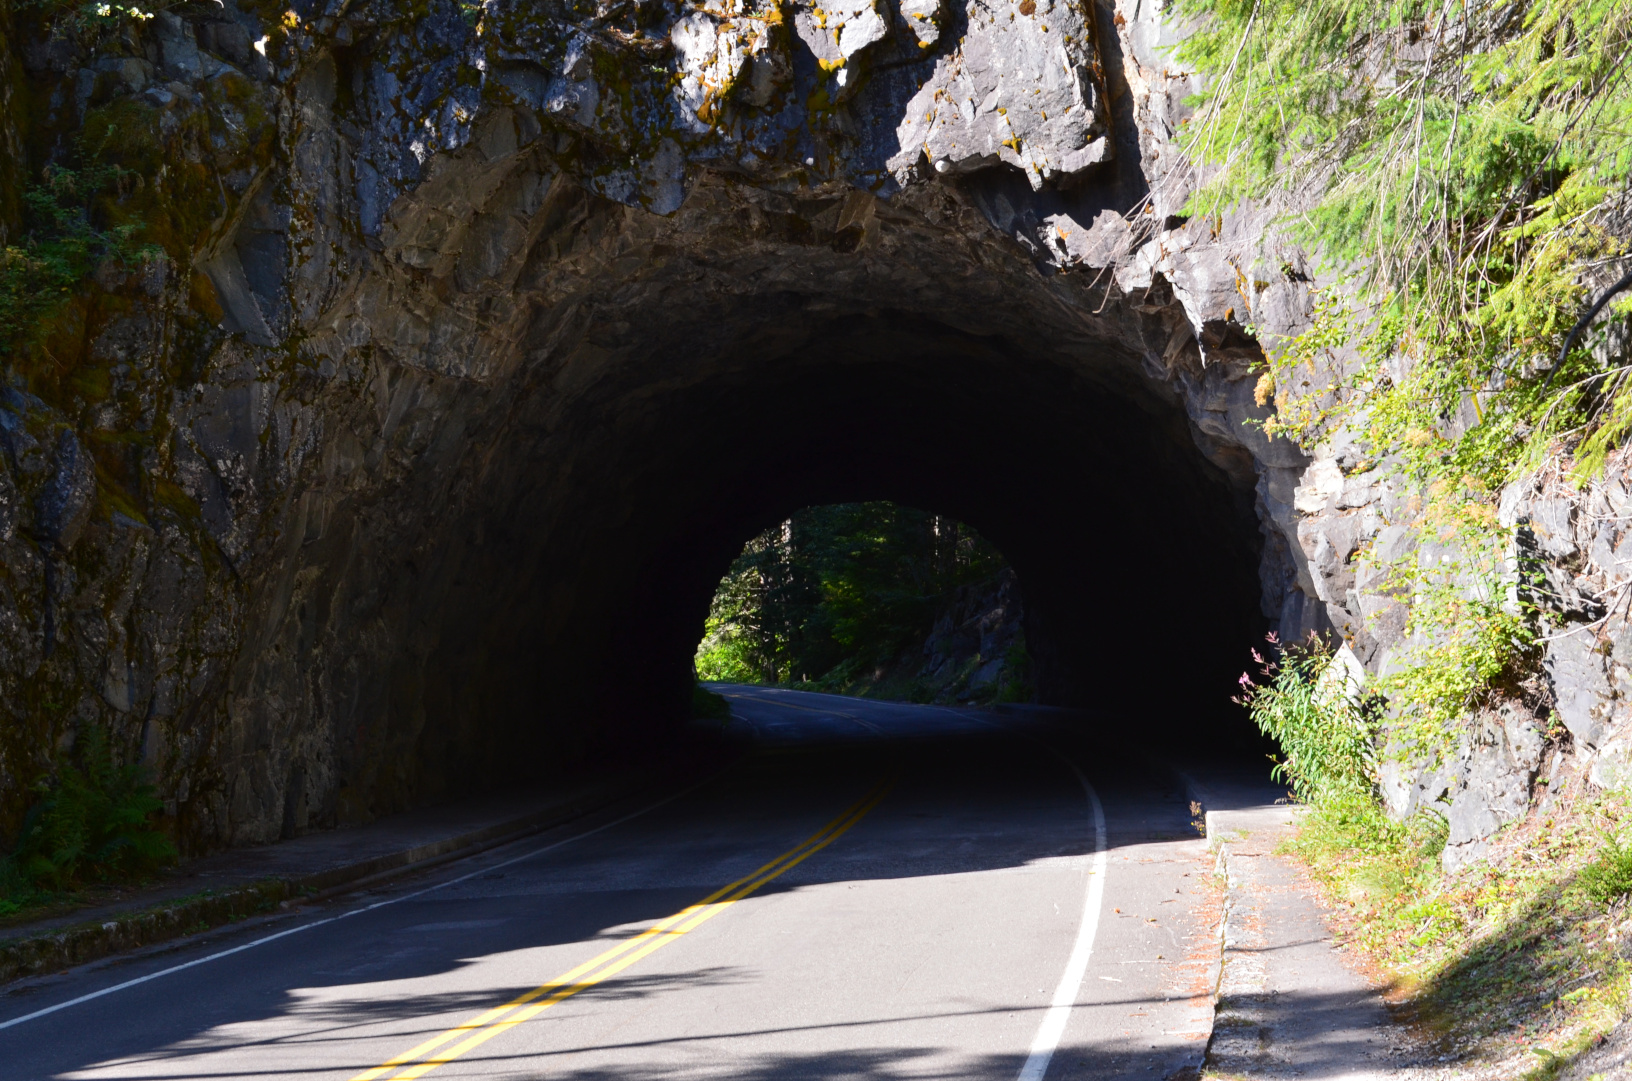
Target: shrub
x=60 y=248
x=1324 y=724
x=92 y=822
x=1609 y=876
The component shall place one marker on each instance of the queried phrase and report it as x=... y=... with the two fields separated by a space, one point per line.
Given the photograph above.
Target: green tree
x=837 y=589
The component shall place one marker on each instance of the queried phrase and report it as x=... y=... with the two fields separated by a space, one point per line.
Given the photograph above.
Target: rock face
x=968 y=654
x=436 y=405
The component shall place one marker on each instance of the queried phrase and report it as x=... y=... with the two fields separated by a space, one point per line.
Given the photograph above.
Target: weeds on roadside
x=1323 y=721
x=1509 y=957
x=1517 y=956
x=1378 y=868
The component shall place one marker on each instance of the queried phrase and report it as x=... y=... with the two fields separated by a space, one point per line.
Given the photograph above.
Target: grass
x=1516 y=959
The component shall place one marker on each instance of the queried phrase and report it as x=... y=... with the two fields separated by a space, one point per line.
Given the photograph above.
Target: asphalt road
x=878 y=891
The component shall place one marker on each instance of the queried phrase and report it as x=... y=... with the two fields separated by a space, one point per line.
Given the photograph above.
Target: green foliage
x=1324 y=724
x=89 y=23
x=1609 y=876
x=1463 y=636
x=1385 y=865
x=1466 y=168
x=60 y=250
x=837 y=590
x=91 y=823
x=1504 y=957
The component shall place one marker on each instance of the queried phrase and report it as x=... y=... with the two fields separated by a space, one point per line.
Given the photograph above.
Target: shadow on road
x=972 y=792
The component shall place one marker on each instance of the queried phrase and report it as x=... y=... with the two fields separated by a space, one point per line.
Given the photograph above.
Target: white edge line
x=1065 y=995
x=354 y=912
x=1052 y=1028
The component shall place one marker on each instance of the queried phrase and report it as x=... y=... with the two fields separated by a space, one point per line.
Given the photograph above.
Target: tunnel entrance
x=504 y=557
x=1137 y=556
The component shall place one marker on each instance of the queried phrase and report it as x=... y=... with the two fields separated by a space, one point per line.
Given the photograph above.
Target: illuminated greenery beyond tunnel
x=846 y=597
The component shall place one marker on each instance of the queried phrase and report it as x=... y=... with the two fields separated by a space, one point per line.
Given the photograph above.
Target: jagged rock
x=63 y=506
x=1020 y=92
x=1575 y=666
x=178 y=47
x=1322 y=482
x=456 y=277
x=1410 y=786
x=1612 y=766
x=1492 y=789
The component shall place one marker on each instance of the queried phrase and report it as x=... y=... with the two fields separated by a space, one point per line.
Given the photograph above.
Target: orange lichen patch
x=1263 y=392
x=203 y=298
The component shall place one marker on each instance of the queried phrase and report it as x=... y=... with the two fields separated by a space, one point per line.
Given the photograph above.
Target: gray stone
x=178 y=47
x=1490 y=792
x=1408 y=786
x=1322 y=483
x=132 y=72
x=1525 y=737
x=11 y=503
x=65 y=503
x=1553 y=520
x=1019 y=90
x=1575 y=667
x=1612 y=766
x=229 y=40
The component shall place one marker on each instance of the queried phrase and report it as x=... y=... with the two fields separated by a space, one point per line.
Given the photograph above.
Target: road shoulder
x=213 y=891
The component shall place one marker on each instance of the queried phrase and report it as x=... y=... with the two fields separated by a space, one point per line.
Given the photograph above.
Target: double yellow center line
x=478 y=1030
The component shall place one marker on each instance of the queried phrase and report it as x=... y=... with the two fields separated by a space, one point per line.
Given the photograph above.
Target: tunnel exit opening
x=871 y=599
x=1136 y=555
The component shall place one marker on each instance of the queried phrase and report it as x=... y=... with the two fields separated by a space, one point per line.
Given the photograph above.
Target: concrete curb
x=1237 y=971
x=40 y=954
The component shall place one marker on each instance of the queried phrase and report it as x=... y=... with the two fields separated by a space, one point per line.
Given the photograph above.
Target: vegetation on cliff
x=61 y=247
x=1465 y=170
x=842 y=596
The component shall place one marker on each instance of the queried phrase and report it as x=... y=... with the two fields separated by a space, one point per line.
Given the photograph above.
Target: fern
x=93 y=822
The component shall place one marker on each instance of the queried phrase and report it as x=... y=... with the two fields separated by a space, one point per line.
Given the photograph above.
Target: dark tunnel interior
x=1137 y=557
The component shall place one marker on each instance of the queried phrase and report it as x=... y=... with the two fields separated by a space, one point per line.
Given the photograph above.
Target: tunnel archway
x=503 y=550
x=1137 y=556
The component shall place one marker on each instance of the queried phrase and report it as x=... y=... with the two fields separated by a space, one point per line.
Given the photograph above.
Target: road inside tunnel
x=1137 y=555
x=876 y=890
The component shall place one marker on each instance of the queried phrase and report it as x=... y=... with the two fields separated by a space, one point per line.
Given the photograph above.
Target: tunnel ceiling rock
x=345 y=452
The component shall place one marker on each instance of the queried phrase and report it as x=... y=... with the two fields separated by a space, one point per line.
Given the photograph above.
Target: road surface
x=876 y=891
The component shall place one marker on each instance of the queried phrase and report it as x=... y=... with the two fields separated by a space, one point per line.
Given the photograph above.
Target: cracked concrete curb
x=1288 y=1003
x=1238 y=976
x=1241 y=974
x=41 y=954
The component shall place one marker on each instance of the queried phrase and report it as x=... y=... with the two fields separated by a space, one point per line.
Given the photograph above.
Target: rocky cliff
x=319 y=506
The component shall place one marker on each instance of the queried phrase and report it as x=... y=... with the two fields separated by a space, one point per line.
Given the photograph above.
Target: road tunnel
x=1136 y=555
x=550 y=422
